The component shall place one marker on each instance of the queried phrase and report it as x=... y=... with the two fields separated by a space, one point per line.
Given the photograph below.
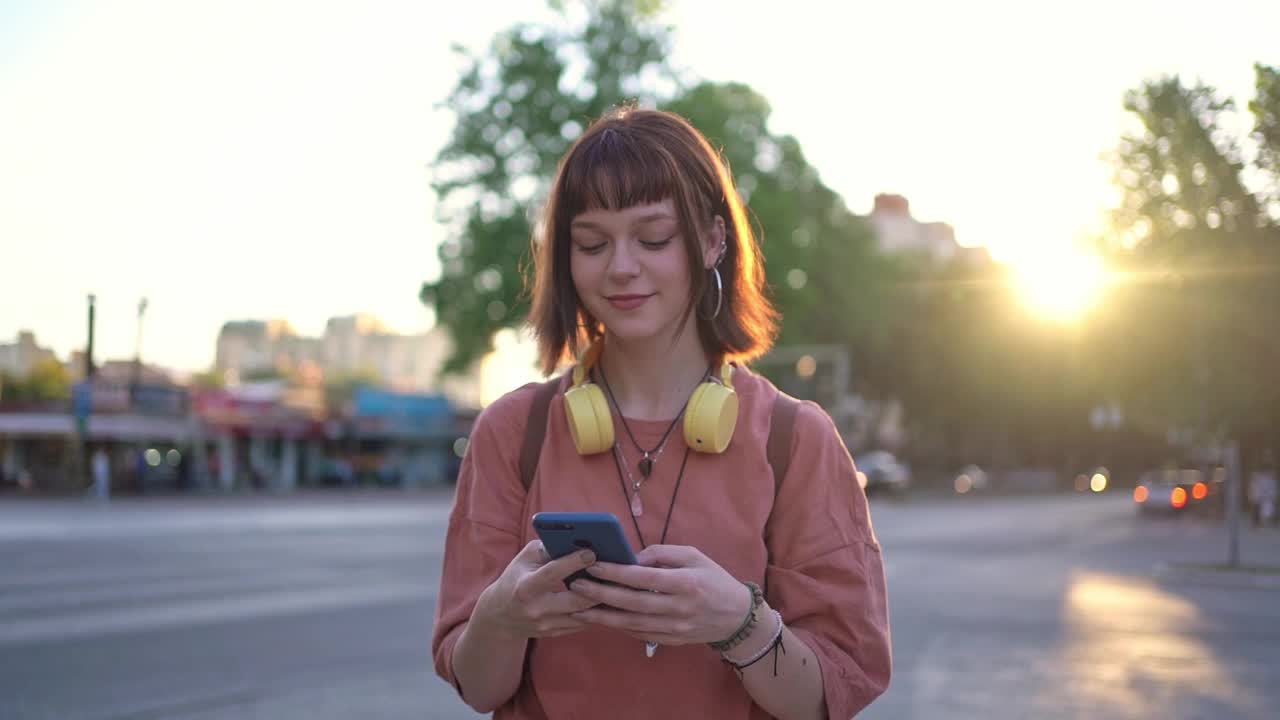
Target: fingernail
x=587 y=556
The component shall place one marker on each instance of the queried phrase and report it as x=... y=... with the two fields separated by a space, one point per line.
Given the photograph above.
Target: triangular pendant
x=646 y=466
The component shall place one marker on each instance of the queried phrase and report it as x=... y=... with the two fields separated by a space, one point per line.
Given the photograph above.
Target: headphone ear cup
x=590 y=422
x=710 y=418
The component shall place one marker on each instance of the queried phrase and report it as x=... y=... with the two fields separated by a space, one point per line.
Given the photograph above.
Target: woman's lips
x=627 y=302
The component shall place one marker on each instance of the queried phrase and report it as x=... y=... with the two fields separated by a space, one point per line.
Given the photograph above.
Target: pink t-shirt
x=824 y=569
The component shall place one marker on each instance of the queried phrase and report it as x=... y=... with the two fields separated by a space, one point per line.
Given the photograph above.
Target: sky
x=270 y=159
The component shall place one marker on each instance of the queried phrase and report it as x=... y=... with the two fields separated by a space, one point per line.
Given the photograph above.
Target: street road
x=320 y=606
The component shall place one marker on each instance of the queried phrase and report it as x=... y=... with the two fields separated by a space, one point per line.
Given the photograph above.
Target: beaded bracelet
x=749 y=622
x=774 y=642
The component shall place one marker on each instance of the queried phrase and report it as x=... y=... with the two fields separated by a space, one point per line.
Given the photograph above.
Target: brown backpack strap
x=535 y=429
x=781 y=428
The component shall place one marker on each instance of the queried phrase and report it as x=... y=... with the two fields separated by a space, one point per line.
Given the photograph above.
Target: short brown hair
x=633 y=157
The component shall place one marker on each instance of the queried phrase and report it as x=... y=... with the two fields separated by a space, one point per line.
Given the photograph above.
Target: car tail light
x=1199 y=491
x=1140 y=494
x=1179 y=497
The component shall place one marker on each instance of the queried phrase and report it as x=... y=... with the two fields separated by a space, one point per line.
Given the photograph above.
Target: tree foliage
x=1199 y=251
x=47 y=380
x=521 y=105
x=828 y=278
x=518 y=108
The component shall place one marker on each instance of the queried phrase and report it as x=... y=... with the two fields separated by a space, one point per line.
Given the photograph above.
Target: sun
x=1060 y=284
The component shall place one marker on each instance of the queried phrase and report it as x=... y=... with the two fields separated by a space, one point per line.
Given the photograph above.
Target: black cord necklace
x=646 y=467
x=651 y=647
x=666 y=525
x=650 y=456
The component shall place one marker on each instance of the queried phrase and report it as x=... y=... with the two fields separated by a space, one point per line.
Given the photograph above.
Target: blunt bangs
x=615 y=171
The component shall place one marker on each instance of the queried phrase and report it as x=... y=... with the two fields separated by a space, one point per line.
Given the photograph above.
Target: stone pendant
x=646 y=466
x=637 y=507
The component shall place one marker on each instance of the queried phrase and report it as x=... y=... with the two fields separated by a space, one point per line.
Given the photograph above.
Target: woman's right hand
x=529 y=599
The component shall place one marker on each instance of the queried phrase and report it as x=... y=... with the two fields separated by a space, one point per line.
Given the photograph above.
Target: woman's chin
x=632 y=335
x=627 y=331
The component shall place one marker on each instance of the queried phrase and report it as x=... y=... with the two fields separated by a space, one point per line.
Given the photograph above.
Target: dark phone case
x=563 y=533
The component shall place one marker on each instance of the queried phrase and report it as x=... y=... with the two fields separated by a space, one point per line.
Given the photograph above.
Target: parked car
x=881 y=472
x=971 y=478
x=1177 y=490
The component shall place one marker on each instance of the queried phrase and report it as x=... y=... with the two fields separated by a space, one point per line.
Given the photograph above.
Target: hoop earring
x=715 y=271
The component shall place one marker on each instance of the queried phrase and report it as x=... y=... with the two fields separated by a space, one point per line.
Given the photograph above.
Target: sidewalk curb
x=1241 y=578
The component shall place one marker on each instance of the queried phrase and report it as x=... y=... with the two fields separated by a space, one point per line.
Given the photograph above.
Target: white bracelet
x=773 y=642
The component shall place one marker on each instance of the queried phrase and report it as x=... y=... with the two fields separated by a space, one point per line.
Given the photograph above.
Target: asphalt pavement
x=320 y=606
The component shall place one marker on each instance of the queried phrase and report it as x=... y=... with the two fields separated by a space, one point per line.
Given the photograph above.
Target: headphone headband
x=589 y=357
x=587 y=360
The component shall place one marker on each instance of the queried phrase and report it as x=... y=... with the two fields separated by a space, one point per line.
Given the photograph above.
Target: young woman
x=753 y=595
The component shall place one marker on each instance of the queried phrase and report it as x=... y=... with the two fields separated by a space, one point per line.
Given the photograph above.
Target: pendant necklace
x=637 y=505
x=648 y=457
x=650 y=648
x=646 y=467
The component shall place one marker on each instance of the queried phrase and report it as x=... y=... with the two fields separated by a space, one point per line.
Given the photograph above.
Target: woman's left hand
x=674 y=595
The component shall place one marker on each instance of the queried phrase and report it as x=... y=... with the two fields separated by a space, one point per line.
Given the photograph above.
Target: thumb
x=552 y=575
x=534 y=554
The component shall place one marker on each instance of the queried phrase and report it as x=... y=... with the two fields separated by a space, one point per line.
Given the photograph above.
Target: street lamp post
x=136 y=380
x=88 y=350
x=82 y=406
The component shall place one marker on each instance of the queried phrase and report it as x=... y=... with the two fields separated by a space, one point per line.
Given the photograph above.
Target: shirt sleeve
x=825 y=572
x=485 y=524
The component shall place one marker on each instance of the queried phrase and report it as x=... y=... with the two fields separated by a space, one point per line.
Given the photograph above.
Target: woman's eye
x=657 y=244
x=590 y=249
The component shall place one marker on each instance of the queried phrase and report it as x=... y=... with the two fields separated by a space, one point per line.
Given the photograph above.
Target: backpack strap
x=535 y=429
x=781 y=429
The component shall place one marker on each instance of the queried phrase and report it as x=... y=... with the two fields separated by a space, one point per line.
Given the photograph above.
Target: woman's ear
x=714 y=248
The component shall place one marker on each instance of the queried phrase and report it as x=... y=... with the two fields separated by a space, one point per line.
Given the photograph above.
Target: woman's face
x=631 y=270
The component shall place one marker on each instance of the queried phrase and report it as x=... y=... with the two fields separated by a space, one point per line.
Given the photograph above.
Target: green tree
x=211 y=379
x=827 y=277
x=518 y=107
x=1200 y=250
x=521 y=106
x=1266 y=129
x=340 y=390
x=47 y=380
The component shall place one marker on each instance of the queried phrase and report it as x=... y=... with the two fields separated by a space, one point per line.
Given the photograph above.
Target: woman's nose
x=623 y=260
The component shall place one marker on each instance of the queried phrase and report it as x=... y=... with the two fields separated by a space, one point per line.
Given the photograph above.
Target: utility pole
x=1234 y=481
x=136 y=380
x=82 y=407
x=88 y=351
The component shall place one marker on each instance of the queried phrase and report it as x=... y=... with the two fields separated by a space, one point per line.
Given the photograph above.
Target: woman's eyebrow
x=654 y=216
x=651 y=217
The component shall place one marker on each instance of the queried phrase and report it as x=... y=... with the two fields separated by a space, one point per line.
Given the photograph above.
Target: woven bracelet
x=774 y=642
x=749 y=622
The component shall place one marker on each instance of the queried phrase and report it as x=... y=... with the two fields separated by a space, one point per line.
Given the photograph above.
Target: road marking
x=135 y=619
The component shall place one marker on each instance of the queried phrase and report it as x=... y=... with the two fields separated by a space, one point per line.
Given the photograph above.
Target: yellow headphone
x=709 y=418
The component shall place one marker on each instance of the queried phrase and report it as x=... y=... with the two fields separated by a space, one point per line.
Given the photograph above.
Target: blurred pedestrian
x=1262 y=494
x=764 y=595
x=101 y=467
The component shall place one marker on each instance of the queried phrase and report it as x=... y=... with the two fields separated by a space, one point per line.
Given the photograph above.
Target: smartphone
x=568 y=532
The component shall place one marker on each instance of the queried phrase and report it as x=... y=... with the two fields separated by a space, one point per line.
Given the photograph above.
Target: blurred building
x=17 y=358
x=246 y=347
x=898 y=232
x=120 y=371
x=146 y=432
x=351 y=345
